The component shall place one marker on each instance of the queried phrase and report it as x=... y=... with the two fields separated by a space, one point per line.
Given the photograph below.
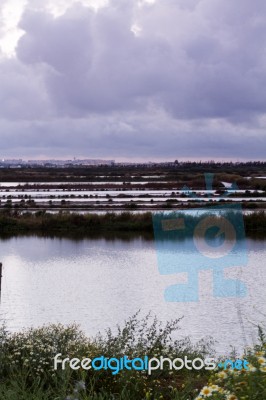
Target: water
x=105 y=197
x=99 y=283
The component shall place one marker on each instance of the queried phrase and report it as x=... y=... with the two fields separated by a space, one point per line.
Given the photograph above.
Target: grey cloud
x=134 y=136
x=23 y=94
x=193 y=81
x=207 y=67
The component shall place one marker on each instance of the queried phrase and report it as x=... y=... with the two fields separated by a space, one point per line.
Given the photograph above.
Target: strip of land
x=67 y=224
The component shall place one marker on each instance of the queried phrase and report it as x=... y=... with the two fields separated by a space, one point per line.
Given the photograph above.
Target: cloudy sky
x=133 y=79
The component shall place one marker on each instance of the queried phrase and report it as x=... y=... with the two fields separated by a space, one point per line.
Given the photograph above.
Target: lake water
x=98 y=283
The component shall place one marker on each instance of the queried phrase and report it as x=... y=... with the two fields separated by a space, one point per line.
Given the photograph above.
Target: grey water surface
x=98 y=283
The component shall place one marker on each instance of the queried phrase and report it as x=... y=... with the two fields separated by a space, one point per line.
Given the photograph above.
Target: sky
x=133 y=80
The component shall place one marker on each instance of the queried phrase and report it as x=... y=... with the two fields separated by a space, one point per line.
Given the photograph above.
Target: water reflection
x=99 y=283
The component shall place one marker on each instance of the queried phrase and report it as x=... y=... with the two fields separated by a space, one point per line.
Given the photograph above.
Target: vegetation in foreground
x=92 y=224
x=26 y=366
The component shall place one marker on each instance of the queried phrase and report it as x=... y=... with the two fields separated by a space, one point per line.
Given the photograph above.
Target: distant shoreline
x=119 y=199
x=91 y=224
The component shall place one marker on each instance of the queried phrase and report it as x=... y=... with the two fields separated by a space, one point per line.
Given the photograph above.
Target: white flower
x=222 y=375
x=206 y=391
x=262 y=360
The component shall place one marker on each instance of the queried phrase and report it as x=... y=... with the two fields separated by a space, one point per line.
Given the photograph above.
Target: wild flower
x=262 y=361
x=222 y=375
x=206 y=391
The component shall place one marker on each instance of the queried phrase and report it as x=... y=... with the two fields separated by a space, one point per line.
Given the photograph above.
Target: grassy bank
x=27 y=370
x=12 y=223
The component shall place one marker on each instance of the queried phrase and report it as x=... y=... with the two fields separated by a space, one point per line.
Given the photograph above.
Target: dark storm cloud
x=191 y=82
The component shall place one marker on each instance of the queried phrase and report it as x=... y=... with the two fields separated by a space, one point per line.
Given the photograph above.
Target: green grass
x=26 y=366
x=26 y=363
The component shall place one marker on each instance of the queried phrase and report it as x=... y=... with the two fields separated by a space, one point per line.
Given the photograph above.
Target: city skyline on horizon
x=130 y=161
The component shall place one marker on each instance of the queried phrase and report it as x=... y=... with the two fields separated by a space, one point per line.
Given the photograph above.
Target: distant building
x=52 y=162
